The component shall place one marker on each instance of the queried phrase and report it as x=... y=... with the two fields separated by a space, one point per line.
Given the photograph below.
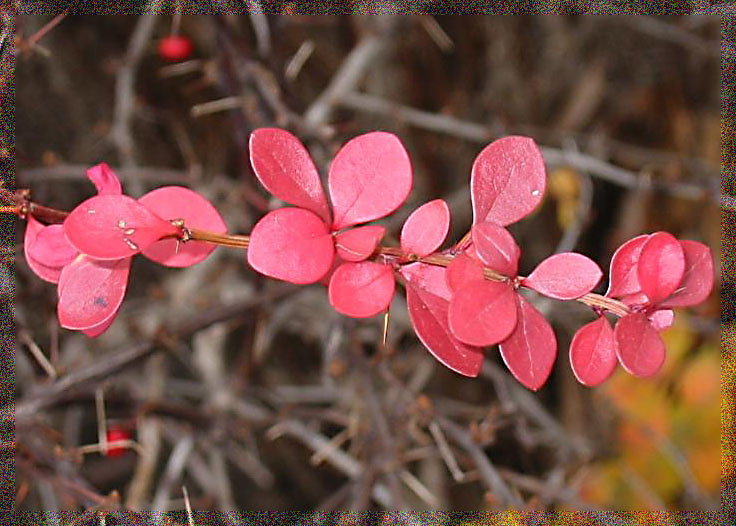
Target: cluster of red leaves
x=89 y=255
x=470 y=300
x=457 y=311
x=369 y=178
x=650 y=274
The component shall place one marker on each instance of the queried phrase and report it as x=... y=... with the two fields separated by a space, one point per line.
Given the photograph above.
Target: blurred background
x=257 y=395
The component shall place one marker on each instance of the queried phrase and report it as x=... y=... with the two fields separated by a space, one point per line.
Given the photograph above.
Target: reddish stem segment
x=22 y=206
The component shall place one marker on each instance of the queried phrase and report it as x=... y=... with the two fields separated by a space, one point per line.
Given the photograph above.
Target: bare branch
x=488 y=472
x=482 y=134
x=346 y=79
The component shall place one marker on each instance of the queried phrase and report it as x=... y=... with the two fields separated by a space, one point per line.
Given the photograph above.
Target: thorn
x=101 y=419
x=188 y=505
x=386 y=320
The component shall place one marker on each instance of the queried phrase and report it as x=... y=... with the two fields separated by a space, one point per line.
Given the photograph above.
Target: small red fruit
x=175 y=48
x=117 y=434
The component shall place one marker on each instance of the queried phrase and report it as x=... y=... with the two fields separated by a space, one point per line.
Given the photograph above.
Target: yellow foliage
x=677 y=408
x=699 y=384
x=563 y=186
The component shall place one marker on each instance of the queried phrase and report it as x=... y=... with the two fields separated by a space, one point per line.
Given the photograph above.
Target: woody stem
x=227 y=240
x=590 y=299
x=24 y=206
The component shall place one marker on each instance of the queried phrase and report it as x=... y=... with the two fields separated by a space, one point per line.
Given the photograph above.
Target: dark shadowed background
x=260 y=396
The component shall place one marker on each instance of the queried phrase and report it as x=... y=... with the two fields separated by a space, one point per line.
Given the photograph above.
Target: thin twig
x=127 y=356
x=436 y=33
x=38 y=35
x=419 y=489
x=37 y=353
x=534 y=410
x=188 y=505
x=488 y=472
x=174 y=468
x=346 y=79
x=218 y=105
x=259 y=21
x=482 y=134
x=121 y=132
x=446 y=452
x=296 y=63
x=573 y=231
x=101 y=419
x=339 y=459
x=74 y=172
x=654 y=26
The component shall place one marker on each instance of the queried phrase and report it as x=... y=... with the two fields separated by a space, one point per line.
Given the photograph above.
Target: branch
x=112 y=362
x=478 y=133
x=339 y=459
x=346 y=79
x=120 y=132
x=488 y=472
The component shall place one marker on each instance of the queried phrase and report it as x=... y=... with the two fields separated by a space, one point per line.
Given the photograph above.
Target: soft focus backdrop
x=267 y=399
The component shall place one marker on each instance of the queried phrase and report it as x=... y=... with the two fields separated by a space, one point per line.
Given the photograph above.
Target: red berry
x=117 y=434
x=175 y=48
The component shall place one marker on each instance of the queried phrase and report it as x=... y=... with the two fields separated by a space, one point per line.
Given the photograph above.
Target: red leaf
x=98 y=330
x=177 y=202
x=623 y=278
x=564 y=276
x=369 y=178
x=530 y=351
x=291 y=244
x=461 y=270
x=337 y=261
x=428 y=314
x=43 y=271
x=64 y=276
x=51 y=247
x=358 y=243
x=508 y=180
x=361 y=290
x=593 y=353
x=638 y=299
x=428 y=299
x=496 y=247
x=426 y=228
x=697 y=282
x=430 y=278
x=638 y=345
x=661 y=319
x=483 y=312
x=285 y=168
x=114 y=227
x=92 y=292
x=661 y=266
x=104 y=179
